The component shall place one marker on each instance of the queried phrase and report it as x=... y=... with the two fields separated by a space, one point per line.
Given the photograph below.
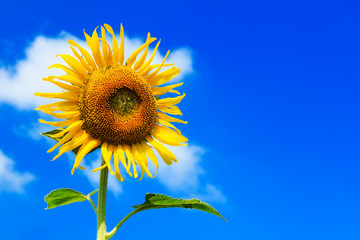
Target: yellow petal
x=122 y=48
x=168 y=136
x=120 y=153
x=164 y=76
x=170 y=101
x=165 y=123
x=116 y=165
x=141 y=159
x=79 y=138
x=169 y=119
x=66 y=138
x=71 y=79
x=74 y=64
x=66 y=115
x=107 y=154
x=57 y=104
x=70 y=96
x=163 y=90
x=85 y=53
x=67 y=87
x=68 y=70
x=130 y=157
x=153 y=66
x=99 y=168
x=149 y=152
x=153 y=74
x=89 y=145
x=148 y=62
x=74 y=125
x=82 y=60
x=62 y=123
x=174 y=110
x=141 y=60
x=93 y=43
x=164 y=153
x=115 y=47
x=137 y=51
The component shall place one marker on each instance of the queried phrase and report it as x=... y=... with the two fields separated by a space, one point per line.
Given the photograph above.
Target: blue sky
x=273 y=109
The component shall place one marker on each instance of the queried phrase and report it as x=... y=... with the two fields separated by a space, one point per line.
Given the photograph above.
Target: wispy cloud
x=19 y=83
x=10 y=179
x=185 y=175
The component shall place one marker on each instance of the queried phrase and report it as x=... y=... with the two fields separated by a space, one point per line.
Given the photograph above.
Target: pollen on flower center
x=117 y=105
x=124 y=101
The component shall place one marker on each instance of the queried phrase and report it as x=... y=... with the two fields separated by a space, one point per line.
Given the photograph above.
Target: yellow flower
x=115 y=104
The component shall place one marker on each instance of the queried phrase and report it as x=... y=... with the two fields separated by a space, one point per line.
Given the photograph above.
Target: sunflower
x=115 y=105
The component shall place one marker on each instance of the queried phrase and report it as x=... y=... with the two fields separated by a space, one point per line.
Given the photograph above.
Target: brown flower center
x=117 y=106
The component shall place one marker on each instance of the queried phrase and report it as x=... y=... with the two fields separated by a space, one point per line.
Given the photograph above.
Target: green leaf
x=65 y=196
x=50 y=134
x=155 y=201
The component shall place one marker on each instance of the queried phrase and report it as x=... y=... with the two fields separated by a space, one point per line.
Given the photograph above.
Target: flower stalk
x=101 y=207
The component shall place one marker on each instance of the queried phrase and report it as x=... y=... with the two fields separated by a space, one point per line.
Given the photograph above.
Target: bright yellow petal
x=74 y=64
x=130 y=158
x=169 y=119
x=141 y=60
x=107 y=154
x=149 y=152
x=164 y=153
x=115 y=47
x=62 y=95
x=83 y=62
x=174 y=110
x=141 y=159
x=68 y=70
x=116 y=165
x=67 y=87
x=148 y=62
x=164 y=76
x=66 y=138
x=122 y=47
x=168 y=136
x=163 y=90
x=153 y=66
x=85 y=54
x=165 y=123
x=137 y=51
x=93 y=44
x=120 y=153
x=153 y=74
x=62 y=123
x=99 y=168
x=74 y=125
x=79 y=138
x=56 y=105
x=65 y=115
x=170 y=101
x=70 y=79
x=89 y=145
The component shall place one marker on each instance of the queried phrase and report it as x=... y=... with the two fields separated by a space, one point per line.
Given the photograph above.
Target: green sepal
x=155 y=201
x=50 y=134
x=65 y=196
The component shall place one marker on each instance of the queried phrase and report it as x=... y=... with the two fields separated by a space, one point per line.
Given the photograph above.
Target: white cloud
x=114 y=185
x=185 y=175
x=10 y=179
x=19 y=83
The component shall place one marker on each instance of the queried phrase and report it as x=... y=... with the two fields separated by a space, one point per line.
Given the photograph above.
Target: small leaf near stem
x=65 y=196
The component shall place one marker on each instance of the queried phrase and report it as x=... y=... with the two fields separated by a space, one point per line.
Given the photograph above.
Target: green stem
x=101 y=208
x=110 y=234
x=92 y=204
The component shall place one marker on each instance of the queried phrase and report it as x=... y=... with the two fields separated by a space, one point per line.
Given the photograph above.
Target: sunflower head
x=115 y=105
